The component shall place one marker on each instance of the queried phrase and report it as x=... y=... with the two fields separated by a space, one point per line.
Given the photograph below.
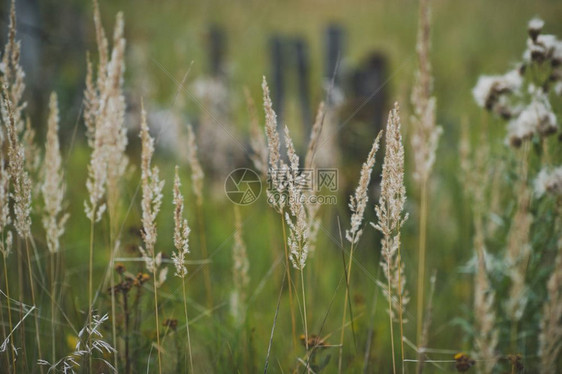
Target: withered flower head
x=120 y=268
x=463 y=362
x=171 y=323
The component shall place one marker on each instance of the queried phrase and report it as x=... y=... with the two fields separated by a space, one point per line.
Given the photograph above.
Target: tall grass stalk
x=357 y=205
x=181 y=242
x=187 y=327
x=33 y=300
x=425 y=140
x=289 y=282
x=421 y=259
x=13 y=363
x=345 y=301
x=151 y=202
x=390 y=219
x=53 y=301
x=305 y=317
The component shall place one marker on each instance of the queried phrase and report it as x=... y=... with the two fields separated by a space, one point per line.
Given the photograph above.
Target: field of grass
x=470 y=243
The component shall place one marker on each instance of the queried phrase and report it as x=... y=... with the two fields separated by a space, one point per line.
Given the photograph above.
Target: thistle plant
x=522 y=96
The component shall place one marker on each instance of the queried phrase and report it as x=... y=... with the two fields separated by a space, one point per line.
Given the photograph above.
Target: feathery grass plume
x=19 y=176
x=53 y=187
x=94 y=207
x=104 y=111
x=358 y=201
x=12 y=80
x=297 y=217
x=89 y=342
x=114 y=108
x=425 y=137
x=315 y=136
x=12 y=77
x=240 y=268
x=5 y=218
x=389 y=211
x=278 y=171
x=151 y=202
x=181 y=230
x=181 y=242
x=550 y=337
x=390 y=219
x=197 y=174
x=257 y=137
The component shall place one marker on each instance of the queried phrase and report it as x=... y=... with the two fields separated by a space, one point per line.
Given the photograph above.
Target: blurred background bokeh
x=192 y=60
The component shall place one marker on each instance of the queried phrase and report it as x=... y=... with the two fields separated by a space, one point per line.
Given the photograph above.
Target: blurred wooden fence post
x=368 y=85
x=303 y=74
x=278 y=76
x=334 y=44
x=217 y=46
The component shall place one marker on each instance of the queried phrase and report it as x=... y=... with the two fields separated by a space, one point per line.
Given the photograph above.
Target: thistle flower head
x=548 y=181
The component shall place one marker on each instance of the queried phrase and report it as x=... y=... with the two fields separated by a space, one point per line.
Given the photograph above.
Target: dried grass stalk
x=53 y=187
x=20 y=179
x=315 y=136
x=390 y=213
x=197 y=174
x=104 y=111
x=240 y=269
x=425 y=137
x=181 y=230
x=151 y=202
x=358 y=201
